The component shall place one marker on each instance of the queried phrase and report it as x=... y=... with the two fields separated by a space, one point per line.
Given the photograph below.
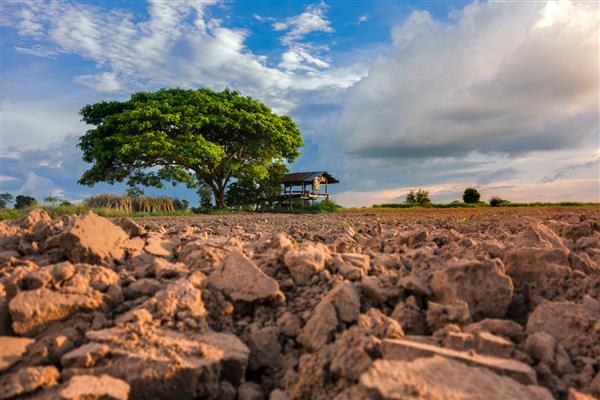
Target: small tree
x=411 y=197
x=5 y=199
x=24 y=201
x=471 y=195
x=498 y=201
x=420 y=197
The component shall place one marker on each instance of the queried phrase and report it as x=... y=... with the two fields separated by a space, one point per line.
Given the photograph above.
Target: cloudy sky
x=503 y=96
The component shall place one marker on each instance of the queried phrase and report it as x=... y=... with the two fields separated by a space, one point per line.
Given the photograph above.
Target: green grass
x=477 y=205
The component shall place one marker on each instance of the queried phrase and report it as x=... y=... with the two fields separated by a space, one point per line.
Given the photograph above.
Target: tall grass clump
x=143 y=204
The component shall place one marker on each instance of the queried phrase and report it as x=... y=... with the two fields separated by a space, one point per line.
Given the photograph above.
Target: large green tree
x=185 y=136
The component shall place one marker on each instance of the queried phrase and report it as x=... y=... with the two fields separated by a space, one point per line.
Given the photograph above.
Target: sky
x=390 y=95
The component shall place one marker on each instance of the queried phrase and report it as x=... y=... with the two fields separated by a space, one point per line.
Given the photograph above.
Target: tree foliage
x=22 y=201
x=185 y=136
x=252 y=191
x=471 y=195
x=418 y=197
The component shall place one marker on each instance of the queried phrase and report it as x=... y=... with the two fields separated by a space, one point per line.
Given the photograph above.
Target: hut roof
x=298 y=178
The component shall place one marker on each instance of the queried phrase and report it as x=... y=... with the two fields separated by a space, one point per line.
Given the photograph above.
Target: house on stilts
x=301 y=188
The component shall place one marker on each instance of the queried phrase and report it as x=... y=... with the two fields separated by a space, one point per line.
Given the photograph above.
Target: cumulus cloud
x=498 y=78
x=179 y=44
x=313 y=19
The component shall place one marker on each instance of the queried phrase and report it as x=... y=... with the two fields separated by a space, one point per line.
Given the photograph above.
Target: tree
x=471 y=195
x=497 y=201
x=420 y=197
x=248 y=190
x=24 y=201
x=5 y=199
x=185 y=136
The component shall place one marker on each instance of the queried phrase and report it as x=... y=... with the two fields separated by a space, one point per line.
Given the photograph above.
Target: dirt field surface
x=490 y=303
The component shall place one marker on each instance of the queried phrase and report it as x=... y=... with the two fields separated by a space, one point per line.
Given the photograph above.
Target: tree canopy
x=471 y=195
x=185 y=136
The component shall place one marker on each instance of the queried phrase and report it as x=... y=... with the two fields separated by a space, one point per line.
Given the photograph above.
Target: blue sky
x=389 y=95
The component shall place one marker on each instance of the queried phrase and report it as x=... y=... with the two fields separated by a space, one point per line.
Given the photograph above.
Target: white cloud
x=104 y=82
x=178 y=45
x=500 y=78
x=39 y=187
x=311 y=20
x=361 y=19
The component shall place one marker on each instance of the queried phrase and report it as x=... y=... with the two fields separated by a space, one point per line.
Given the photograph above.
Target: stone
x=540 y=236
x=414 y=284
x=240 y=279
x=438 y=378
x=567 y=322
x=289 y=324
x=320 y=327
x=265 y=349
x=130 y=226
x=89 y=238
x=482 y=284
x=85 y=356
x=375 y=289
x=89 y=387
x=278 y=394
x=540 y=346
x=164 y=269
x=179 y=299
x=250 y=391
x=503 y=327
x=142 y=287
x=159 y=246
x=306 y=261
x=27 y=380
x=411 y=317
x=353 y=264
x=407 y=350
x=530 y=264
x=492 y=345
x=439 y=315
x=11 y=350
x=346 y=300
x=460 y=341
x=162 y=363
x=32 y=310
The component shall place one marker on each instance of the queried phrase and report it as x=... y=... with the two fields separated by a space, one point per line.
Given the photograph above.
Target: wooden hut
x=304 y=187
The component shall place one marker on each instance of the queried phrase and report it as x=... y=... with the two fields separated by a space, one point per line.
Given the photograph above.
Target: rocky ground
x=435 y=304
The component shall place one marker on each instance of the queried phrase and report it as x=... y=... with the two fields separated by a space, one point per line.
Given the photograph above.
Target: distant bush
x=498 y=201
x=471 y=195
x=126 y=203
x=22 y=201
x=418 y=197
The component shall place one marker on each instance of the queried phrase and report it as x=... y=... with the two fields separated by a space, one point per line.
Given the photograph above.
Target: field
x=488 y=303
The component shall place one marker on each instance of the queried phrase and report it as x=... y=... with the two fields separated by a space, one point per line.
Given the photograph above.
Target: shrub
x=498 y=201
x=418 y=197
x=22 y=201
x=471 y=195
